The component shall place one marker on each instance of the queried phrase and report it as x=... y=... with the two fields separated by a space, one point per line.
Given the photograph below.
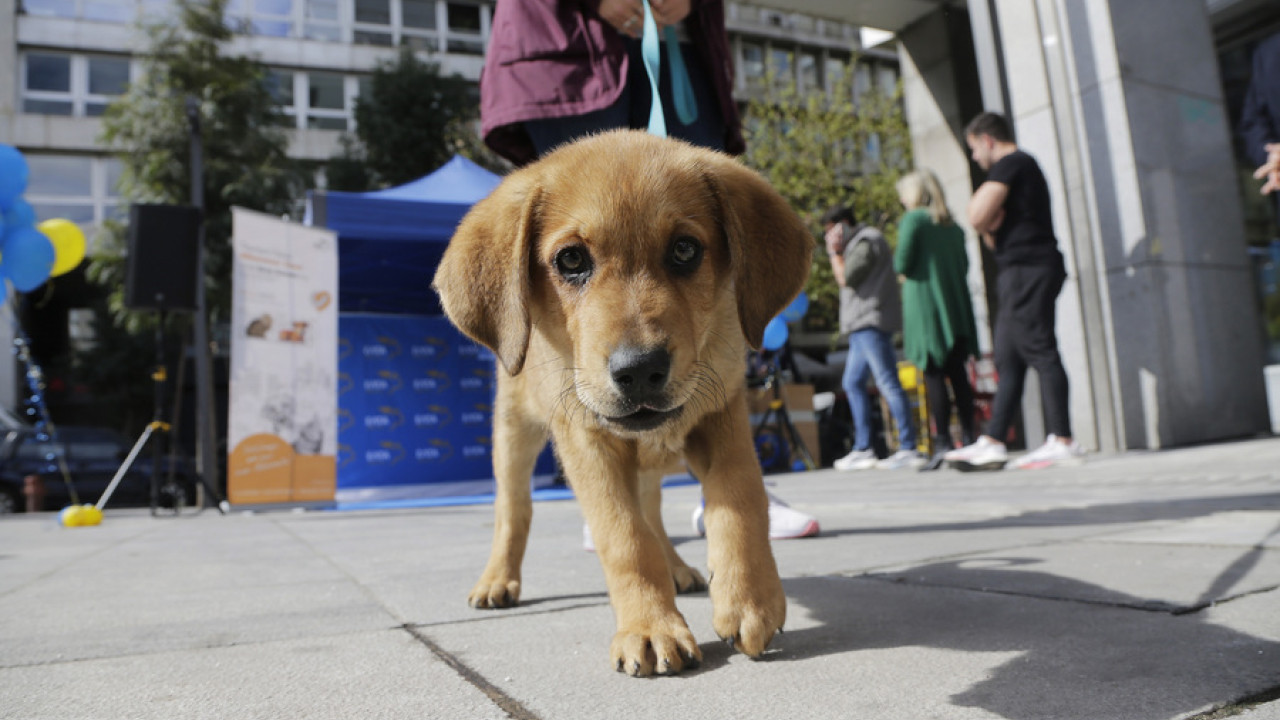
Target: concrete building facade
x=1124 y=109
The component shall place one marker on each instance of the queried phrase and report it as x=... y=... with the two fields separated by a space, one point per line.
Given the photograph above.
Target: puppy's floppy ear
x=483 y=279
x=770 y=248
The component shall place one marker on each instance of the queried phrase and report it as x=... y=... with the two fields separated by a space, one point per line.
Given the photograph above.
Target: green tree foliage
x=822 y=149
x=244 y=146
x=410 y=120
x=245 y=164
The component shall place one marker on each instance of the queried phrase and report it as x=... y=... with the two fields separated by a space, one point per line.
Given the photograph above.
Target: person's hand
x=669 y=12
x=626 y=16
x=1270 y=170
x=834 y=239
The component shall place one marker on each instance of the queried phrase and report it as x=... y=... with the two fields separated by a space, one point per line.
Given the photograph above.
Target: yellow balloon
x=68 y=244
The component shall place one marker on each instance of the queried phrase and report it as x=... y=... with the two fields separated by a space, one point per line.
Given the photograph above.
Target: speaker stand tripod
x=159 y=378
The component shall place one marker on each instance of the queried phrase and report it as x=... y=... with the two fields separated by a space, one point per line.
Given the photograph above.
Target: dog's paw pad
x=488 y=596
x=641 y=655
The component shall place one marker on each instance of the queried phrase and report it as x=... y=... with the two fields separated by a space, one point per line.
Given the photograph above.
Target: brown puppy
x=619 y=281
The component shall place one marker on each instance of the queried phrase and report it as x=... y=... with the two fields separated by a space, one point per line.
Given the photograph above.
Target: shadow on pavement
x=1074 y=659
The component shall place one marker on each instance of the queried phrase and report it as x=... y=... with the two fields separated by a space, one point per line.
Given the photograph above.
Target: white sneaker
x=587 y=543
x=856 y=460
x=985 y=454
x=1052 y=452
x=785 y=522
x=901 y=459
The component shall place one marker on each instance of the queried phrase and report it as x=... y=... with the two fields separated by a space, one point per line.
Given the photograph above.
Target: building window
x=280 y=84
x=419 y=25
x=322 y=21
x=327 y=102
x=108 y=79
x=314 y=100
x=753 y=72
x=373 y=22
x=79 y=188
x=50 y=8
x=833 y=72
x=781 y=67
x=887 y=79
x=64 y=84
x=807 y=72
x=112 y=11
x=466 y=29
x=861 y=80
x=47 y=86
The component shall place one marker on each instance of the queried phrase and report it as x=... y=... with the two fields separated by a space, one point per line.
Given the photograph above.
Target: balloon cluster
x=31 y=253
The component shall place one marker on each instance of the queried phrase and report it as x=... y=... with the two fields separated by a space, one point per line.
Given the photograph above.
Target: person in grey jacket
x=870 y=312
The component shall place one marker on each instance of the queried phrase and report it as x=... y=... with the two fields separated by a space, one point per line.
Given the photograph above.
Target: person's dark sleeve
x=1256 y=125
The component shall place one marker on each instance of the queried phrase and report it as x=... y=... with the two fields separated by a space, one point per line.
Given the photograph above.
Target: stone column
x=1158 y=323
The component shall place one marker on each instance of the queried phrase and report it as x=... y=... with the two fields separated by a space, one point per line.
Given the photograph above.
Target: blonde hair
x=920 y=188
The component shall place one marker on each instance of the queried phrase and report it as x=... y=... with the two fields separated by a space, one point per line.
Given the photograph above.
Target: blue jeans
x=871 y=354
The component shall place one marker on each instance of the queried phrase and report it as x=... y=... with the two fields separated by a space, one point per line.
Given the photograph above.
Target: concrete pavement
x=1141 y=585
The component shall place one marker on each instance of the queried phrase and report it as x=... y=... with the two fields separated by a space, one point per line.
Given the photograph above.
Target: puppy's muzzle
x=640 y=377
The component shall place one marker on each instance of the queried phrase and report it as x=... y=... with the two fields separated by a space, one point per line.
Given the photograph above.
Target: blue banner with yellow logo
x=415 y=410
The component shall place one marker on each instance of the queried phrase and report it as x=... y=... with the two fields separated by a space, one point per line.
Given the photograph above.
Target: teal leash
x=681 y=88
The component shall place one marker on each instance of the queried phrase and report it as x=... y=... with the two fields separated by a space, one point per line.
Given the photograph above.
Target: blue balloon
x=775 y=334
x=13 y=175
x=19 y=215
x=27 y=258
x=797 y=308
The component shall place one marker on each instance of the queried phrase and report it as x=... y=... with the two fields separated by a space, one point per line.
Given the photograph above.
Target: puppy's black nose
x=640 y=374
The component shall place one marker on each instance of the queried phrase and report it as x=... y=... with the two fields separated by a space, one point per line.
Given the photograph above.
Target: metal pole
x=206 y=437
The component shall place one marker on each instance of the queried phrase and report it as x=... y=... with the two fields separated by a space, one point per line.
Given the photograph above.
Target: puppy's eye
x=685 y=254
x=573 y=264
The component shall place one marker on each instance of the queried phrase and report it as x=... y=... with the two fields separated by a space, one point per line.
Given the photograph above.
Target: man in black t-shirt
x=1011 y=210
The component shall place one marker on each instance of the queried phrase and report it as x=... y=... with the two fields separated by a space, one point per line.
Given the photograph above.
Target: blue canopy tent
x=415 y=396
x=390 y=241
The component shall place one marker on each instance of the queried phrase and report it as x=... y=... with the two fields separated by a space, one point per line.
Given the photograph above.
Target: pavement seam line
x=1163 y=608
x=512 y=707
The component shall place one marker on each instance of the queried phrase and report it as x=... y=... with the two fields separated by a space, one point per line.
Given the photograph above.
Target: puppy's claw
x=691 y=661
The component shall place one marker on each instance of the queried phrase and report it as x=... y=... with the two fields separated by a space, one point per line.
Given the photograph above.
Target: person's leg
x=884 y=366
x=1038 y=344
x=854 y=382
x=958 y=375
x=1011 y=371
x=935 y=387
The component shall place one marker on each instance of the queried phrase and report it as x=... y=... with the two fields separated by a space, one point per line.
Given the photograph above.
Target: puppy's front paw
x=494 y=592
x=748 y=611
x=665 y=650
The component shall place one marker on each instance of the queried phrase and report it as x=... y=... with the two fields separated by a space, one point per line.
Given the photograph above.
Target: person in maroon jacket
x=555 y=71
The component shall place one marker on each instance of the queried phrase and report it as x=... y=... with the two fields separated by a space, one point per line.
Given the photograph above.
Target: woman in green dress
x=938 y=333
